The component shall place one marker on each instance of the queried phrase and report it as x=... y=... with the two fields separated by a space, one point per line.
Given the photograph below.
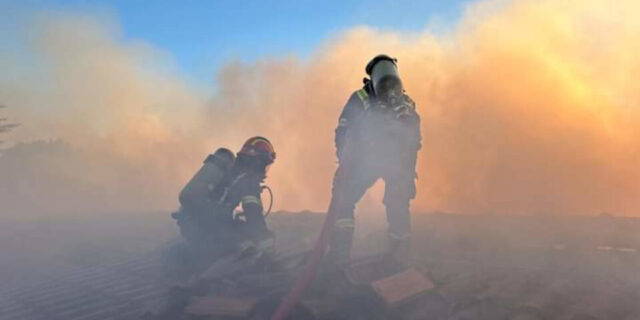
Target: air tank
x=195 y=196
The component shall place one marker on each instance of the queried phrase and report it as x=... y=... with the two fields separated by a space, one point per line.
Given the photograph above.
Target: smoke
x=128 y=117
x=528 y=107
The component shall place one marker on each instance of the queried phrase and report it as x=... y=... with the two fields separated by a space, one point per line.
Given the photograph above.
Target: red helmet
x=259 y=147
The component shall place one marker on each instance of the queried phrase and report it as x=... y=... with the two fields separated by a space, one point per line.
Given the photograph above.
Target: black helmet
x=377 y=59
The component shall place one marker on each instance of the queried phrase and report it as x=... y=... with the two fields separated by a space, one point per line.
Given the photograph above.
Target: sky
x=200 y=36
x=527 y=106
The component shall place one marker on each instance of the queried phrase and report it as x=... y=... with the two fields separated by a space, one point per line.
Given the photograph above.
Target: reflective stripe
x=251 y=199
x=362 y=94
x=266 y=244
x=244 y=245
x=399 y=236
x=364 y=97
x=345 y=223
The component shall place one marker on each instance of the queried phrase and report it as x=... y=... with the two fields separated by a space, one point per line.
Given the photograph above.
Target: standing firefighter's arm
x=349 y=114
x=409 y=111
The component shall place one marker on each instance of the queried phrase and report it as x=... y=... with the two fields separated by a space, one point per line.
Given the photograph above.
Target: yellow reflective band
x=345 y=223
x=251 y=199
x=364 y=97
x=362 y=94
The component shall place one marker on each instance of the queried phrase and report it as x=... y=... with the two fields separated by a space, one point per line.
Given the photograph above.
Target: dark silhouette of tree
x=5 y=126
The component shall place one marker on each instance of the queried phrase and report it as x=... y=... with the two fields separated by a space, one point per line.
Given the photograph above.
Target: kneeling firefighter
x=378 y=137
x=206 y=217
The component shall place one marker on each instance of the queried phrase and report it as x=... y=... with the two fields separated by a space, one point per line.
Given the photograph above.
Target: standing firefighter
x=378 y=136
x=206 y=217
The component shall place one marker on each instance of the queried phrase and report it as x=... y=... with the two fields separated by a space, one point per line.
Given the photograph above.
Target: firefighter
x=207 y=218
x=243 y=187
x=378 y=137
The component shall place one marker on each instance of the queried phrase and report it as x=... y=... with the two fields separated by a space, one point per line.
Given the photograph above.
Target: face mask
x=386 y=81
x=390 y=91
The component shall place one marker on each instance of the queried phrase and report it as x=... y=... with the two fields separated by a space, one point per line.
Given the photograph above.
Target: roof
x=482 y=268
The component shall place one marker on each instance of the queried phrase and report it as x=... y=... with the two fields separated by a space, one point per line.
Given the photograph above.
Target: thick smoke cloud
x=528 y=107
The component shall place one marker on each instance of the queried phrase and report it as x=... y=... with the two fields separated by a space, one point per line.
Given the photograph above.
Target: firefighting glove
x=403 y=111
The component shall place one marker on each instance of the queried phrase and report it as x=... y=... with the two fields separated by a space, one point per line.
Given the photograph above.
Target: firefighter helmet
x=378 y=58
x=259 y=147
x=383 y=71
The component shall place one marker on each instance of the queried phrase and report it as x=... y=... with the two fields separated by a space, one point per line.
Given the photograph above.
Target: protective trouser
x=350 y=184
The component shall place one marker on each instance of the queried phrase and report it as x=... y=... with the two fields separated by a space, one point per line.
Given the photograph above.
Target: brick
x=401 y=286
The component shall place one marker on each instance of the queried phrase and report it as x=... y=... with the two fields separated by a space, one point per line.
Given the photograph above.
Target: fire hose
x=319 y=248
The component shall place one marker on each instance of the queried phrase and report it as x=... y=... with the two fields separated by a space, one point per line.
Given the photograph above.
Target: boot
x=266 y=245
x=339 y=253
x=400 y=251
x=259 y=242
x=331 y=279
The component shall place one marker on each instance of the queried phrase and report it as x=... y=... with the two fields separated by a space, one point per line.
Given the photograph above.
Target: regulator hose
x=265 y=187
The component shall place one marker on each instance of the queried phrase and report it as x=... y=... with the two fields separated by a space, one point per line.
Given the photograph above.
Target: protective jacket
x=366 y=119
x=241 y=187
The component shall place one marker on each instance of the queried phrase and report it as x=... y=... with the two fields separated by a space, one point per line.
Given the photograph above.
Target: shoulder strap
x=225 y=194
